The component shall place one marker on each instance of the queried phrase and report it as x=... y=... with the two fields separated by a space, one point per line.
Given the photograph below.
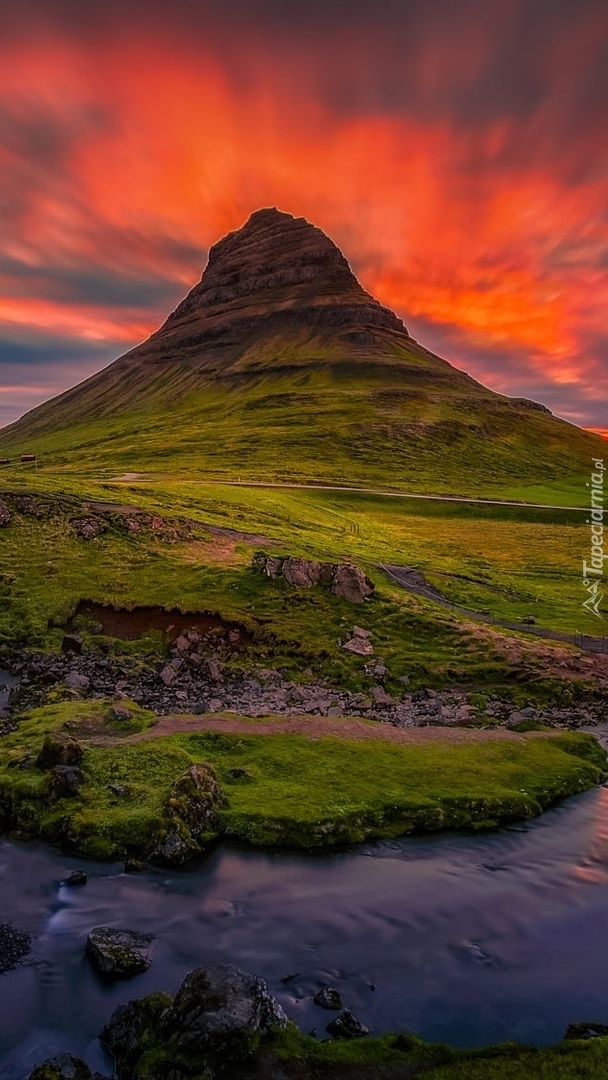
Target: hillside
x=278 y=365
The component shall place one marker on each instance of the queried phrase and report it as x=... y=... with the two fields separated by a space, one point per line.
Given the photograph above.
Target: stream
x=465 y=939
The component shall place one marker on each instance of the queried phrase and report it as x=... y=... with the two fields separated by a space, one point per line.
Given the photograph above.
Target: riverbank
x=109 y=780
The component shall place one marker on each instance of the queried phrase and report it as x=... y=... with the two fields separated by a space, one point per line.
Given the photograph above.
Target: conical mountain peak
x=279 y=264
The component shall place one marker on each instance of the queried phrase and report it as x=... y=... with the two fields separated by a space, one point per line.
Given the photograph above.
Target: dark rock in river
x=59 y=749
x=328 y=998
x=119 y=954
x=14 y=946
x=63 y=1067
x=78 y=877
x=217 y=1010
x=126 y=1031
x=347 y=1026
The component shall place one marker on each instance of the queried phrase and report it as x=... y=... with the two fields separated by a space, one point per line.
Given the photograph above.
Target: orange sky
x=461 y=164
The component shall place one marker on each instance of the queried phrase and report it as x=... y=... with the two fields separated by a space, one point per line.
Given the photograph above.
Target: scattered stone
x=77 y=877
x=119 y=789
x=15 y=944
x=59 y=749
x=5 y=515
x=74 y=681
x=120 y=713
x=528 y=620
x=88 y=528
x=182 y=644
x=212 y=670
x=347 y=1026
x=119 y=954
x=65 y=782
x=168 y=675
x=360 y=646
x=328 y=998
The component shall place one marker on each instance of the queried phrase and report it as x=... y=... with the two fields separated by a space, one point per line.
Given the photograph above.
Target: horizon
x=130 y=145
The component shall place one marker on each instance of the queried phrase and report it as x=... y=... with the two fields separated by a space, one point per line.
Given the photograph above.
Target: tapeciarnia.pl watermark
x=593 y=571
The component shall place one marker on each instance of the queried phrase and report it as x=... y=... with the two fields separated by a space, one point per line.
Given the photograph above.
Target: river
x=467 y=939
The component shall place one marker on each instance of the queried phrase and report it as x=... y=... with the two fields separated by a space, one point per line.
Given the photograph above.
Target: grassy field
x=284 y=789
x=509 y=562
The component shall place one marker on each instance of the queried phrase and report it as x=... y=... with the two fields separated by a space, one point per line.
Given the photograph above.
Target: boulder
x=62 y=1067
x=360 y=646
x=74 y=681
x=5 y=515
x=347 y=1026
x=328 y=998
x=119 y=954
x=59 y=749
x=302 y=573
x=351 y=583
x=219 y=1011
x=128 y=1026
x=191 y=815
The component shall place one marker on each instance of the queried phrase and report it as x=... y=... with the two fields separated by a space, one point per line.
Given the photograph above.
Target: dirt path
x=311 y=727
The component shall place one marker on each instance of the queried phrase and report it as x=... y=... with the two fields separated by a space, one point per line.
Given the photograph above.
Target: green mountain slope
x=278 y=365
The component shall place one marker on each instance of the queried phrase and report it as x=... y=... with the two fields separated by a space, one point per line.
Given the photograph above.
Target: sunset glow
x=461 y=164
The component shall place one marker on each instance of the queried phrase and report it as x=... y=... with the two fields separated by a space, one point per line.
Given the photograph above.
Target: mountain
x=279 y=365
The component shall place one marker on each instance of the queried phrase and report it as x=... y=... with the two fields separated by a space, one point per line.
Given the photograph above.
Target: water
x=465 y=939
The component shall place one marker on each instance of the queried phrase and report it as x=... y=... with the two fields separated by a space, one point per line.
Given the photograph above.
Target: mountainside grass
x=286 y=790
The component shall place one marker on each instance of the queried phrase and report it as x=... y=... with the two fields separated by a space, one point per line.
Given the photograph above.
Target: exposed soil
x=128 y=625
x=313 y=727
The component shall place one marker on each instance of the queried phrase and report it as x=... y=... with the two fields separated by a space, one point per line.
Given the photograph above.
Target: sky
x=456 y=150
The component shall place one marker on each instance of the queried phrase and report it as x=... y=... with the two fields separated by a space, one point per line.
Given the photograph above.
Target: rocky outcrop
x=190 y=815
x=328 y=998
x=216 y=1021
x=59 y=749
x=344 y=579
x=119 y=954
x=64 y=1067
x=5 y=514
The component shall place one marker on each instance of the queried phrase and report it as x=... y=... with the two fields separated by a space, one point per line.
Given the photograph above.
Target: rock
x=126 y=1030
x=347 y=1026
x=269 y=566
x=71 y=643
x=119 y=954
x=75 y=681
x=359 y=632
x=303 y=573
x=335 y=712
x=88 y=528
x=168 y=675
x=359 y=646
x=351 y=583
x=62 y=1067
x=59 y=749
x=65 y=782
x=212 y=670
x=218 y=1012
x=120 y=713
x=182 y=644
x=134 y=866
x=5 y=515
x=119 y=789
x=191 y=815
x=586 y=1031
x=328 y=998
x=528 y=620
x=77 y=877
x=514 y=719
x=380 y=696
x=15 y=944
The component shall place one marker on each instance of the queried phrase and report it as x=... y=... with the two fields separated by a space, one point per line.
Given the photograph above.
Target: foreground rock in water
x=119 y=954
x=191 y=816
x=64 y=1067
x=14 y=946
x=217 y=1018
